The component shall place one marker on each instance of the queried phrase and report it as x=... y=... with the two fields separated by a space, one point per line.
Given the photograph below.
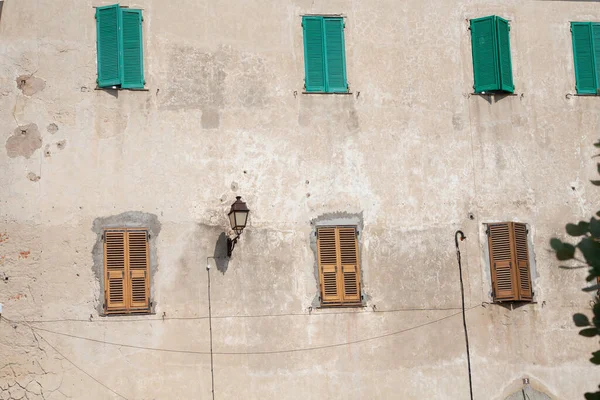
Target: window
x=509 y=262
x=120 y=48
x=126 y=267
x=324 y=54
x=492 y=66
x=586 y=54
x=339 y=271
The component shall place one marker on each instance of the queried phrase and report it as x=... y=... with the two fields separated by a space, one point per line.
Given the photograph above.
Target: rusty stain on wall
x=30 y=84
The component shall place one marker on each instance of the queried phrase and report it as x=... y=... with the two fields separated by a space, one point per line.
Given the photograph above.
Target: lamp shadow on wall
x=220 y=253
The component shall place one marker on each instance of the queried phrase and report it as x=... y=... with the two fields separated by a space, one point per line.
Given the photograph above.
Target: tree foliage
x=586 y=252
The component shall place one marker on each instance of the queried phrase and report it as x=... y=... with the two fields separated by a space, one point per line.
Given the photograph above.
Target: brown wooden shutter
x=115 y=269
x=504 y=277
x=348 y=250
x=328 y=262
x=138 y=263
x=522 y=261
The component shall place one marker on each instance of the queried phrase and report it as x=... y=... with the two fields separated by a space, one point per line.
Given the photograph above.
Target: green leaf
x=581 y=320
x=591 y=288
x=596 y=357
x=591 y=251
x=564 y=251
x=588 y=332
x=592 y=396
x=595 y=183
x=577 y=230
x=594 y=227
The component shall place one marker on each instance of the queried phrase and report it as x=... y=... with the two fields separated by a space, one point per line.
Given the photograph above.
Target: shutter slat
x=314 y=58
x=132 y=49
x=327 y=255
x=583 y=56
x=348 y=247
x=115 y=266
x=335 y=58
x=138 y=261
x=108 y=45
x=485 y=54
x=506 y=77
x=503 y=269
x=522 y=261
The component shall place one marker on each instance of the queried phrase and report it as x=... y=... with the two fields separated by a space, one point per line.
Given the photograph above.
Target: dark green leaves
x=564 y=251
x=581 y=320
x=577 y=230
x=588 y=332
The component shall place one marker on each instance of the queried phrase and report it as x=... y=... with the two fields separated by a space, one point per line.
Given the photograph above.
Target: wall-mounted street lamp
x=238 y=217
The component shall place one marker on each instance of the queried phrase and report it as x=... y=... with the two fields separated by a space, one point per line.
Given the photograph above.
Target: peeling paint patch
x=25 y=140
x=33 y=177
x=62 y=144
x=47 y=152
x=30 y=84
x=24 y=254
x=3 y=237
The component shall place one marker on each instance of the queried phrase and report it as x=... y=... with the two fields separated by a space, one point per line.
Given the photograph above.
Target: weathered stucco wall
x=410 y=151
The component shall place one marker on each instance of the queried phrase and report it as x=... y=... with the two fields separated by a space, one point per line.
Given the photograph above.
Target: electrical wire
x=309 y=314
x=462 y=295
x=296 y=350
x=81 y=369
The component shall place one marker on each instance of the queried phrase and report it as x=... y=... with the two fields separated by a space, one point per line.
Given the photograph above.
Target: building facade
x=360 y=159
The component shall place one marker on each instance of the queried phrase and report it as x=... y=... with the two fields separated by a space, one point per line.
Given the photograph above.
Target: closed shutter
x=504 y=279
x=138 y=263
x=132 y=49
x=314 y=57
x=115 y=271
x=328 y=265
x=522 y=261
x=348 y=249
x=485 y=54
x=339 y=269
x=504 y=56
x=108 y=45
x=583 y=55
x=335 y=58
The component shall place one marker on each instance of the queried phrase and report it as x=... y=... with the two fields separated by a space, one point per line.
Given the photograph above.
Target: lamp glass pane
x=241 y=218
x=232 y=220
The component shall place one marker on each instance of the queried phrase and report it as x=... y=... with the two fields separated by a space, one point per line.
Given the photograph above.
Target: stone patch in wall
x=129 y=219
x=24 y=141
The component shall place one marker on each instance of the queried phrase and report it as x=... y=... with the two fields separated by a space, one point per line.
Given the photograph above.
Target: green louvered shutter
x=132 y=49
x=335 y=57
x=506 y=78
x=107 y=30
x=485 y=54
x=596 y=48
x=583 y=55
x=314 y=60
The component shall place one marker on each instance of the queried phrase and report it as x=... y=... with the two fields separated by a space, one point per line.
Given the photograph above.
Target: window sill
x=340 y=305
x=330 y=93
x=127 y=314
x=569 y=95
x=120 y=89
x=505 y=94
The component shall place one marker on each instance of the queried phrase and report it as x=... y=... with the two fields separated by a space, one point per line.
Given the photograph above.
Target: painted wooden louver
x=339 y=271
x=120 y=47
x=492 y=62
x=509 y=261
x=127 y=283
x=108 y=45
x=586 y=55
x=324 y=54
x=133 y=67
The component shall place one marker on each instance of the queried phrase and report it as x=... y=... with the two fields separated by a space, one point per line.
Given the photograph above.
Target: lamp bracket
x=231 y=245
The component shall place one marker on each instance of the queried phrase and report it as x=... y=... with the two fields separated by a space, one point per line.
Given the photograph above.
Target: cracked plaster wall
x=409 y=150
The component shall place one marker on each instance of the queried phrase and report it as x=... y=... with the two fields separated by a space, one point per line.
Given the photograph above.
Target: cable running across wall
x=266 y=352
x=309 y=314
